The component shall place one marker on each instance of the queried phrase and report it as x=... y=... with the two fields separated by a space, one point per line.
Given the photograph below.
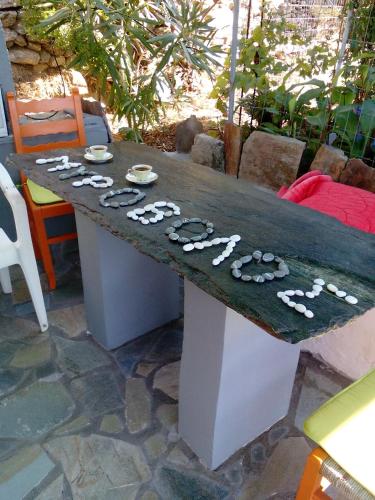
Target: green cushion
x=41 y=195
x=345 y=428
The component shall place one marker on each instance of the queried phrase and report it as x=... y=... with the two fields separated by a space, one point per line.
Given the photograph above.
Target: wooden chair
x=41 y=203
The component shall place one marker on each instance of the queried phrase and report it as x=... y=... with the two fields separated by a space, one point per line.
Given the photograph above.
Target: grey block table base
x=126 y=293
x=236 y=380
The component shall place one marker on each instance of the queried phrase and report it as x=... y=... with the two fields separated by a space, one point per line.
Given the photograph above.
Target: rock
x=167 y=415
x=33 y=354
x=137 y=405
x=35 y=410
x=19 y=27
x=7 y=351
x=144 y=369
x=8 y=4
x=276 y=434
x=178 y=457
x=58 y=61
x=167 y=379
x=111 y=424
x=77 y=357
x=270 y=160
x=97 y=392
x=74 y=426
x=8 y=18
x=71 y=320
x=10 y=380
x=23 y=56
x=44 y=57
x=20 y=41
x=9 y=35
x=168 y=346
x=258 y=453
x=282 y=472
x=208 y=151
x=23 y=472
x=317 y=389
x=358 y=174
x=96 y=465
x=54 y=491
x=40 y=68
x=186 y=132
x=17 y=328
x=330 y=161
x=155 y=446
x=34 y=46
x=172 y=484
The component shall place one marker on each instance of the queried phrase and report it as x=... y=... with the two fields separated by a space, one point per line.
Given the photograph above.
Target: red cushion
x=352 y=206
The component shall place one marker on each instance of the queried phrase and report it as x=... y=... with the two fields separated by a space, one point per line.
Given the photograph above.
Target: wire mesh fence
x=306 y=69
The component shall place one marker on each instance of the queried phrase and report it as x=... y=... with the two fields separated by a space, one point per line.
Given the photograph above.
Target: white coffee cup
x=141 y=171
x=98 y=151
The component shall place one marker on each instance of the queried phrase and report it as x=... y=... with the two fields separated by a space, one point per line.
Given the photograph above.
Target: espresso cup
x=140 y=171
x=98 y=152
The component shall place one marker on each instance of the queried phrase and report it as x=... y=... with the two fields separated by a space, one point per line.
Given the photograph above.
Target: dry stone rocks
x=23 y=56
x=208 y=151
x=9 y=35
x=358 y=174
x=330 y=161
x=186 y=132
x=270 y=160
x=8 y=18
x=9 y=4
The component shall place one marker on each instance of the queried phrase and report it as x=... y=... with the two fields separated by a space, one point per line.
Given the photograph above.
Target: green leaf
x=343 y=96
x=367 y=118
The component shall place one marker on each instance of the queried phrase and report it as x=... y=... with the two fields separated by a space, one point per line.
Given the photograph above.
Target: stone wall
x=25 y=50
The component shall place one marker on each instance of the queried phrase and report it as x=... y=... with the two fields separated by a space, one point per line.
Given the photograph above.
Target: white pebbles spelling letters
x=230 y=242
x=341 y=294
x=154 y=210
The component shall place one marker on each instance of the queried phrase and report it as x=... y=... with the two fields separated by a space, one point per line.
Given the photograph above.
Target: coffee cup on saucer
x=141 y=172
x=98 y=152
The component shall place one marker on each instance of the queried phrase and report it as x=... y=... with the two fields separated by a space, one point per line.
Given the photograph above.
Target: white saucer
x=151 y=178
x=91 y=158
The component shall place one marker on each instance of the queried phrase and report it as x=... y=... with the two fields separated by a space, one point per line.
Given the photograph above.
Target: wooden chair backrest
x=40 y=128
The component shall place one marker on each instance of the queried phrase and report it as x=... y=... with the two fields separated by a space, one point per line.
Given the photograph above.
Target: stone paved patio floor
x=77 y=422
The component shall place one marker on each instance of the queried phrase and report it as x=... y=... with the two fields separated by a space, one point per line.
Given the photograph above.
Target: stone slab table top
x=314 y=245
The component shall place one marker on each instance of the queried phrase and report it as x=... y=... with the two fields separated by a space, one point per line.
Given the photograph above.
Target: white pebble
x=135 y=217
x=149 y=207
x=77 y=184
x=319 y=281
x=309 y=314
x=188 y=247
x=216 y=241
x=145 y=221
x=317 y=288
x=215 y=262
x=171 y=205
x=300 y=308
x=310 y=295
x=153 y=220
x=351 y=300
x=139 y=211
x=207 y=244
x=160 y=204
x=130 y=214
x=176 y=212
x=235 y=238
x=290 y=293
x=285 y=299
x=97 y=178
x=280 y=294
x=341 y=294
x=332 y=288
x=86 y=180
x=199 y=245
x=291 y=304
x=159 y=217
x=316 y=293
x=231 y=244
x=226 y=253
x=220 y=258
x=224 y=240
x=299 y=293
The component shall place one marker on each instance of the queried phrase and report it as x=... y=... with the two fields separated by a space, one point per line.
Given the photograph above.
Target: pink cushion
x=352 y=206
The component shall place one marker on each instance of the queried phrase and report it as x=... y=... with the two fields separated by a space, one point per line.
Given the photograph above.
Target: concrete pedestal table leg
x=236 y=380
x=126 y=293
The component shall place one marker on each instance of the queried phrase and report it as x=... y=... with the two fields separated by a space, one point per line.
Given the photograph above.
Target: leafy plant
x=132 y=49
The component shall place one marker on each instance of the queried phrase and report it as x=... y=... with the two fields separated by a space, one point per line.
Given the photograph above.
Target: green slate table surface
x=313 y=245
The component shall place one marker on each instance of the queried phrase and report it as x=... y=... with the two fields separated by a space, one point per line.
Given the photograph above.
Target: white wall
x=350 y=349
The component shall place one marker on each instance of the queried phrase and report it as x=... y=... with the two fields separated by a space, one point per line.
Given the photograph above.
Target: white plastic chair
x=20 y=251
